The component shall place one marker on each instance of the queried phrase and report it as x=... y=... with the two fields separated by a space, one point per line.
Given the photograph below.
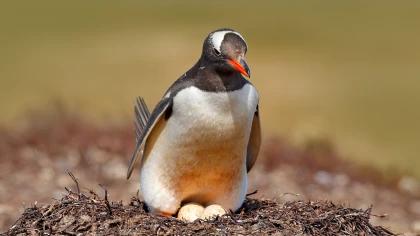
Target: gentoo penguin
x=203 y=137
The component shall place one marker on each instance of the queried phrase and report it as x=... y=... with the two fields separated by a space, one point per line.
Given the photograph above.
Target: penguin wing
x=254 y=142
x=147 y=126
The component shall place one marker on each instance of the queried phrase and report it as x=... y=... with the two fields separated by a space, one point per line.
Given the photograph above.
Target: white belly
x=201 y=153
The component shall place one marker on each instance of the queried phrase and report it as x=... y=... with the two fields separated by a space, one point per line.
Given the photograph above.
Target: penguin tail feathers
x=142 y=115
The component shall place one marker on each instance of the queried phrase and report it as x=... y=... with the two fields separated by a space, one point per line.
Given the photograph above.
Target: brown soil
x=301 y=181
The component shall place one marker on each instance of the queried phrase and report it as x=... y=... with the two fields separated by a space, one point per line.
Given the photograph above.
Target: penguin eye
x=217 y=52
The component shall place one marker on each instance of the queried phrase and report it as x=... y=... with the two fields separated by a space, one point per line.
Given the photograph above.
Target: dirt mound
x=79 y=213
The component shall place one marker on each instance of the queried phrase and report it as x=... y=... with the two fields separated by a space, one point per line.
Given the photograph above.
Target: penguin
x=203 y=137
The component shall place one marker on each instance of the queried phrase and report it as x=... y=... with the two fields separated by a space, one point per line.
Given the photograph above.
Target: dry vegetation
x=88 y=213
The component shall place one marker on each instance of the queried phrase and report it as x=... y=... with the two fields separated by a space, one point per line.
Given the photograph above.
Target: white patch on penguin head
x=217 y=37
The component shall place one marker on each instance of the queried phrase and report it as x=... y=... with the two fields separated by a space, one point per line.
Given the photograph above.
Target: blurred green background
x=347 y=71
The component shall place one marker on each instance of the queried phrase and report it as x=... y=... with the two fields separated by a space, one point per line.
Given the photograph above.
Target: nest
x=87 y=213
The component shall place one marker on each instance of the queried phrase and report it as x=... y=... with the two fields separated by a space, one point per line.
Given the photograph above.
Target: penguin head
x=225 y=49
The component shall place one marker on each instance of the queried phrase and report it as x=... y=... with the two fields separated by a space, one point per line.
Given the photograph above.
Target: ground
x=304 y=184
x=80 y=213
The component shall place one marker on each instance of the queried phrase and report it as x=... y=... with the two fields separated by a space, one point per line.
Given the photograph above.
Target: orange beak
x=241 y=67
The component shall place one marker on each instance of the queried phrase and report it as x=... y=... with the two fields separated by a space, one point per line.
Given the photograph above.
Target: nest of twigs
x=87 y=213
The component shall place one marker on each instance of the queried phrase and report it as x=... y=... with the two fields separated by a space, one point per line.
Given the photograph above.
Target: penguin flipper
x=254 y=142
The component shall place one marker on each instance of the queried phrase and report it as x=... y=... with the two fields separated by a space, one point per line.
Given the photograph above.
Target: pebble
x=409 y=185
x=415 y=226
